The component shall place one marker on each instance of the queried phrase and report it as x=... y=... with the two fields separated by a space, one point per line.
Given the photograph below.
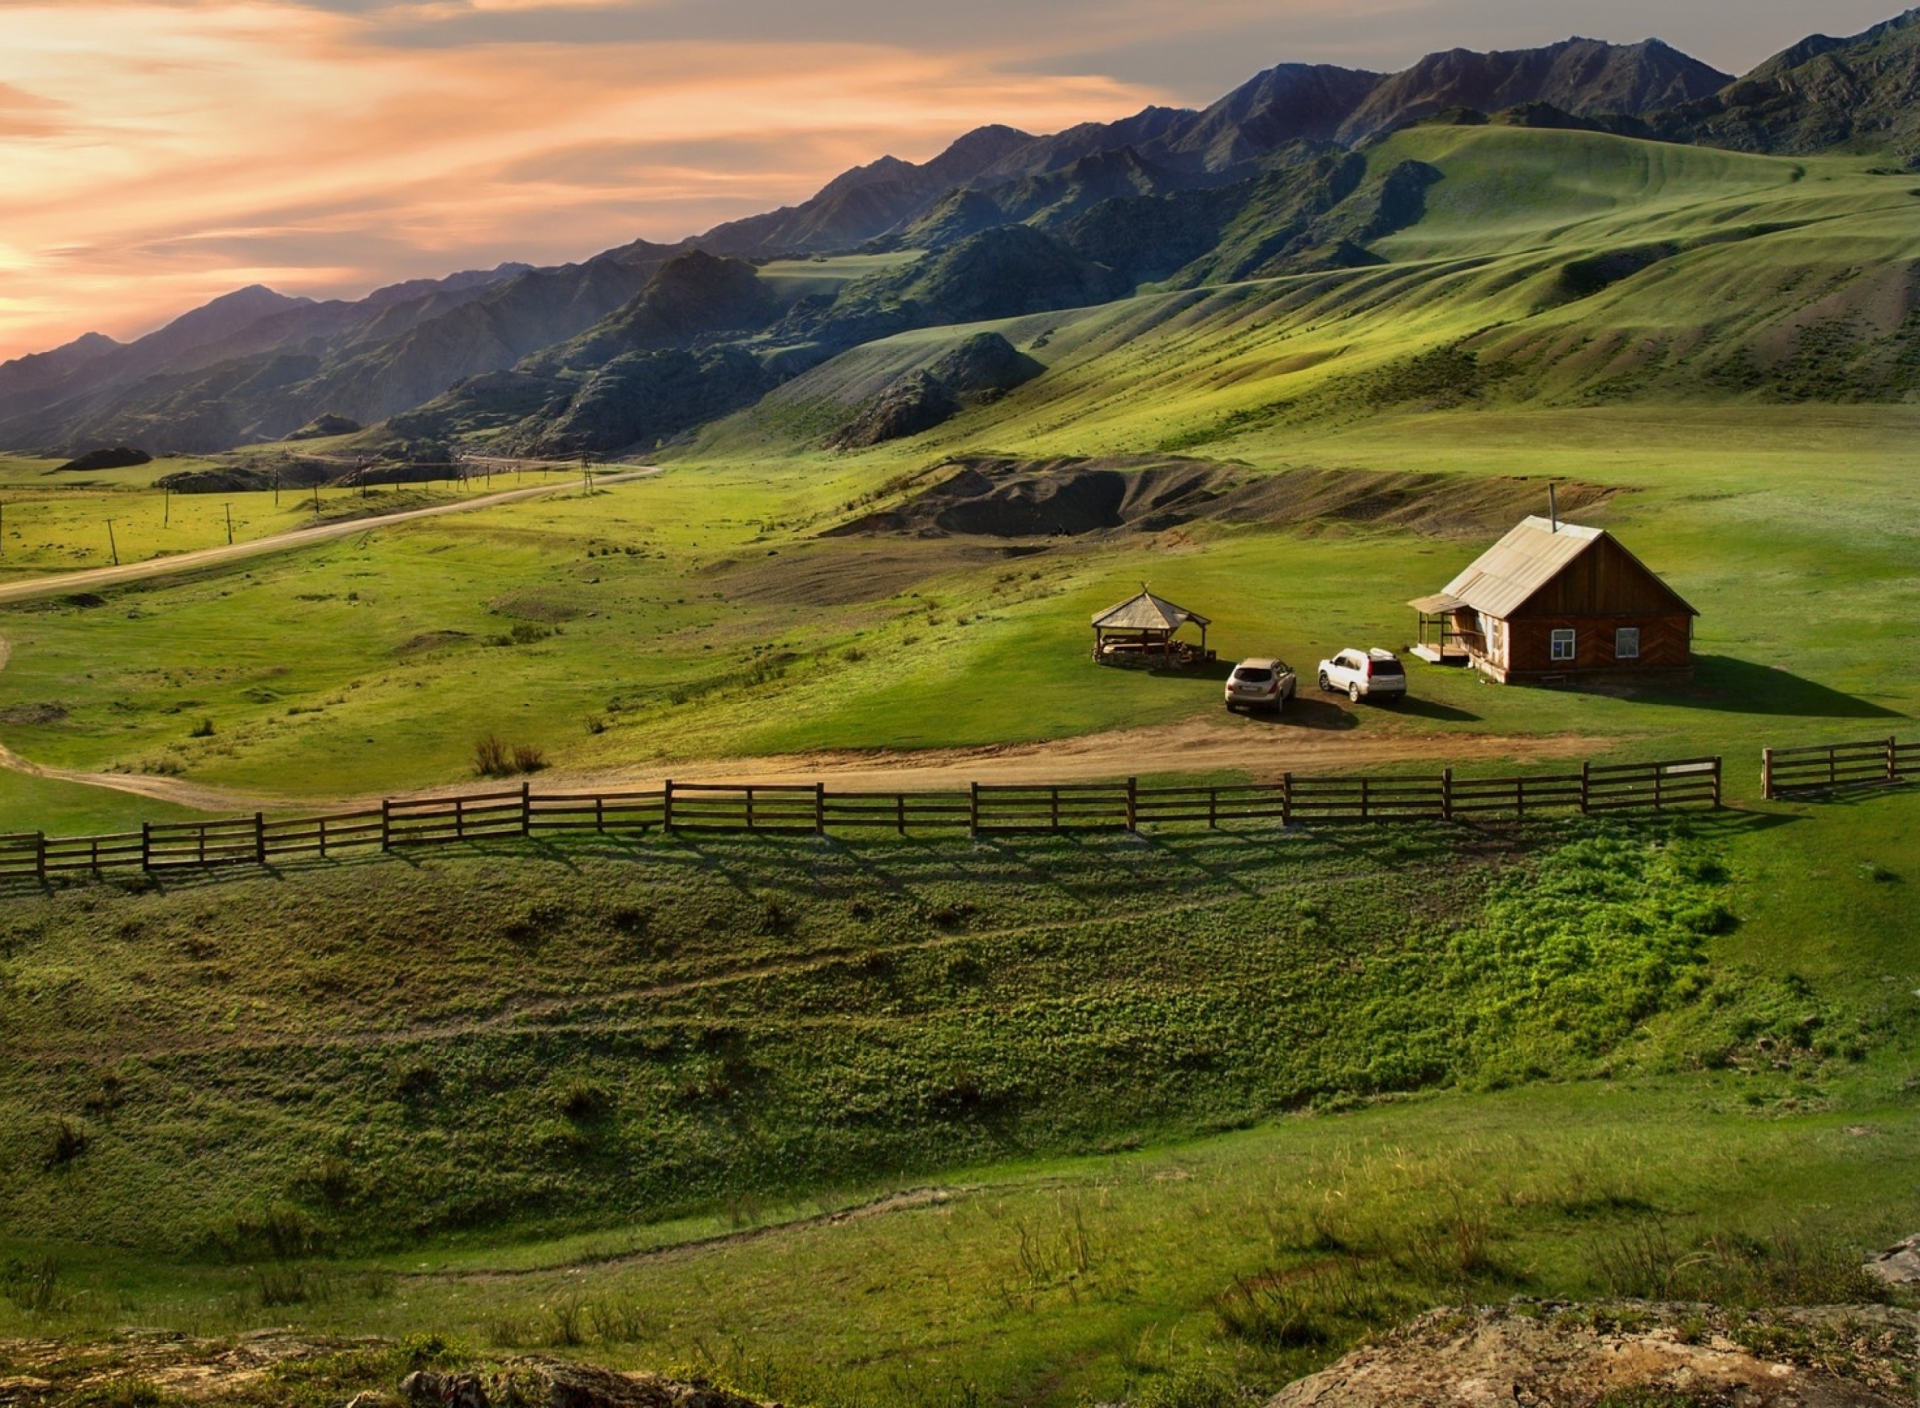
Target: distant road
x=59 y=583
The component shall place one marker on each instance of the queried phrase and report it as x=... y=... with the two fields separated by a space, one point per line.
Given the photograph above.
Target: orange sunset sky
x=154 y=155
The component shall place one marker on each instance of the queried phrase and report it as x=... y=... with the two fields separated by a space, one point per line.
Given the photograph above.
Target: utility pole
x=316 y=498
x=166 y=506
x=276 y=488
x=112 y=546
x=229 y=508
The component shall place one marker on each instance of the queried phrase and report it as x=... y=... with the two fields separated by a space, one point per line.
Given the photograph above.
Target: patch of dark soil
x=86 y=601
x=526 y=606
x=431 y=640
x=119 y=457
x=1009 y=498
x=33 y=714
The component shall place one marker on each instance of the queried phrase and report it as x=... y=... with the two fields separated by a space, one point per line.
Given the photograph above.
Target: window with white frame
x=1626 y=643
x=1563 y=645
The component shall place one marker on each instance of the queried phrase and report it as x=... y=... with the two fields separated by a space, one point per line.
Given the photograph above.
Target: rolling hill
x=1296 y=172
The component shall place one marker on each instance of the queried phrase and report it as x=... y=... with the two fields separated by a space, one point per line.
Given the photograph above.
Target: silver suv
x=1260 y=684
x=1365 y=674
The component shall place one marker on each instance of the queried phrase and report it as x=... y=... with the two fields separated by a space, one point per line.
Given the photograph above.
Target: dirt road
x=94 y=578
x=1265 y=750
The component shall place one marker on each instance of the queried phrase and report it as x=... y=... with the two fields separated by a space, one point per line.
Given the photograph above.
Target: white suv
x=1365 y=674
x=1260 y=684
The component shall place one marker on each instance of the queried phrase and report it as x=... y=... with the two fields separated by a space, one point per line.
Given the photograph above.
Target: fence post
x=1893 y=759
x=599 y=813
x=1659 y=785
x=900 y=812
x=1213 y=808
x=1766 y=774
x=1055 y=794
x=1286 y=799
x=1586 y=787
x=40 y=855
x=819 y=808
x=259 y=838
x=526 y=809
x=973 y=809
x=323 y=838
x=386 y=823
x=1833 y=766
x=1716 y=782
x=666 y=805
x=146 y=848
x=1133 y=804
x=1363 y=799
x=459 y=818
x=1446 y=794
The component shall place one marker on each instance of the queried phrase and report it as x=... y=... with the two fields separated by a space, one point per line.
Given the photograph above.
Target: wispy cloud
x=155 y=153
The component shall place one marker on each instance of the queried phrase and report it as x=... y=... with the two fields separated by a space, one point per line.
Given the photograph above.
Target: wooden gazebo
x=1140 y=631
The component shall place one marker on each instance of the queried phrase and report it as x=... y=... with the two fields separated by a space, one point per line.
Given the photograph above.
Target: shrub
x=492 y=757
x=527 y=758
x=203 y=729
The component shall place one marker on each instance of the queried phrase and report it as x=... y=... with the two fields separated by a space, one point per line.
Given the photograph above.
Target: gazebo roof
x=1146 y=612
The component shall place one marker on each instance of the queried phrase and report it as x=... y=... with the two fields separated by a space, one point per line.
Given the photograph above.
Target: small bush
x=567 y=1323
x=203 y=729
x=492 y=757
x=596 y=724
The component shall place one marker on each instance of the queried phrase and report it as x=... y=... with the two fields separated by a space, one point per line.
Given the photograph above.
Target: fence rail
x=812 y=807
x=1789 y=772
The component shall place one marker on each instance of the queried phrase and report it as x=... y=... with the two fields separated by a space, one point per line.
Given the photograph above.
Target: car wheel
x=1325 y=683
x=1353 y=693
x=1280 y=704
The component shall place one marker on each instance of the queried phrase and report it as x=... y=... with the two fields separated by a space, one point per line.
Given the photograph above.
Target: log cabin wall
x=1665 y=643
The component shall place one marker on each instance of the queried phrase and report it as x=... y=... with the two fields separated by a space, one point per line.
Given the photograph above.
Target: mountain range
x=646 y=341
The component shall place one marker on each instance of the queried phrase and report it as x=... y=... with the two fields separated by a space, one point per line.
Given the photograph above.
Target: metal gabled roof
x=1147 y=612
x=1500 y=581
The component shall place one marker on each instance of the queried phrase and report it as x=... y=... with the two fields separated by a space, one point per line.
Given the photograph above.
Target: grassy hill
x=1164 y=1118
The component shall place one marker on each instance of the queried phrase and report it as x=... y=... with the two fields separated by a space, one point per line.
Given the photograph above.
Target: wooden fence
x=1789 y=772
x=814 y=808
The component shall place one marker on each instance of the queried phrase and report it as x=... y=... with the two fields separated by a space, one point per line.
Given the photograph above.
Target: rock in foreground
x=1576 y=1356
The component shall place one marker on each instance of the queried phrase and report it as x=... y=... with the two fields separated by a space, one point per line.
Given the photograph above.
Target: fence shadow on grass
x=1727 y=684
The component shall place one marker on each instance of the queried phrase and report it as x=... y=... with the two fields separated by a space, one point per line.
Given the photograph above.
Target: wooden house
x=1553 y=601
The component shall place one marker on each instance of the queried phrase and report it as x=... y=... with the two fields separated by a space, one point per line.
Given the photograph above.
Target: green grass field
x=1165 y=1118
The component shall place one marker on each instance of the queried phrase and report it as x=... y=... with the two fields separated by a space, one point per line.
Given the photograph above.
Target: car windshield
x=1388 y=667
x=1252 y=675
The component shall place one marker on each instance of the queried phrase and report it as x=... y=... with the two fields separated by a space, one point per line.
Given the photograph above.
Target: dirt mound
x=119 y=457
x=1575 y=1356
x=33 y=714
x=216 y=481
x=1008 y=498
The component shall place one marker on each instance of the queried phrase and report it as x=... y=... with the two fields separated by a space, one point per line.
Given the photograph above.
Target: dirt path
x=280 y=542
x=1201 y=745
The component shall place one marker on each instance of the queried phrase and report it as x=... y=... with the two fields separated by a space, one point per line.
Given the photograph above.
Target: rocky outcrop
x=916 y=402
x=983 y=368
x=324 y=426
x=1578 y=1356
